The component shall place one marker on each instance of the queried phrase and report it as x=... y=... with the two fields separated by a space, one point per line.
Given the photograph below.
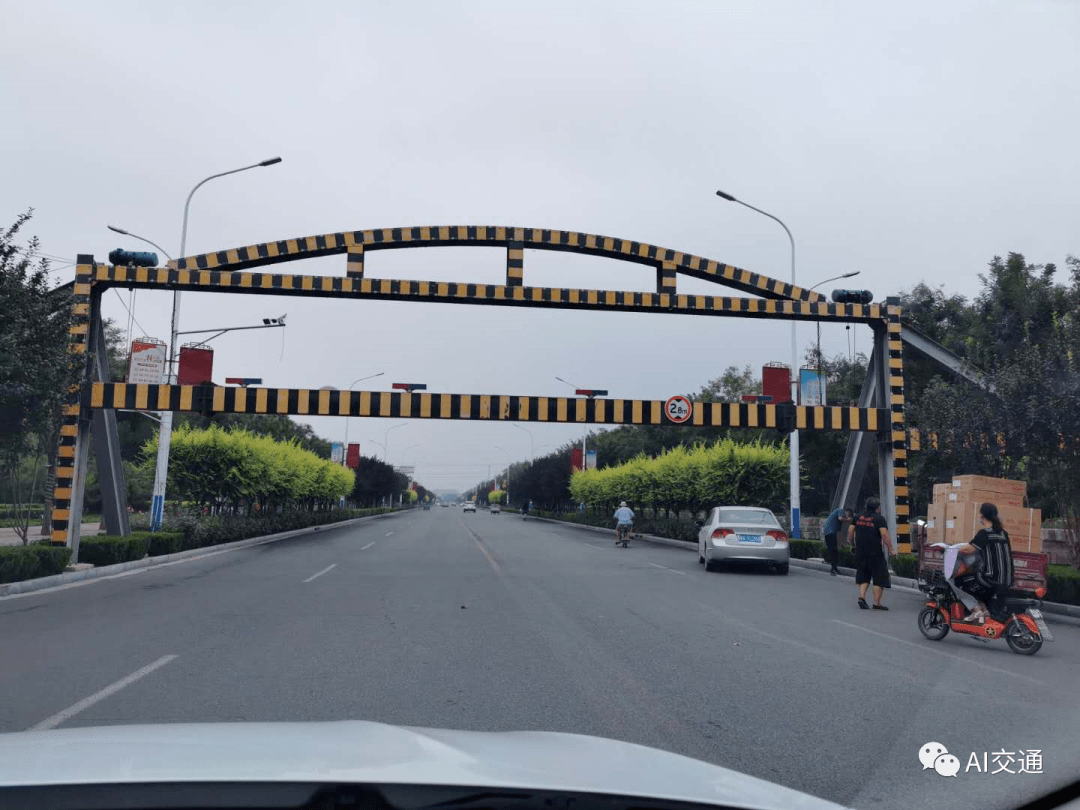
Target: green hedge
x=30 y=562
x=110 y=550
x=160 y=543
x=1063 y=585
x=684 y=529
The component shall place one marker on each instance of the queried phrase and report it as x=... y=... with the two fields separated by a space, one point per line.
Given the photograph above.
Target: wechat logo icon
x=935 y=755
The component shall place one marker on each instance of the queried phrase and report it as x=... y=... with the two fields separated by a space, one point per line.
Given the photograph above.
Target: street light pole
x=386 y=437
x=793 y=466
x=161 y=472
x=826 y=281
x=532 y=446
x=354 y=382
x=584 y=436
x=507 y=495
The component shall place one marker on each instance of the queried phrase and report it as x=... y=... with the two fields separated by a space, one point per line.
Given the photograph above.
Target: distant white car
x=496 y=509
x=743 y=534
x=469 y=507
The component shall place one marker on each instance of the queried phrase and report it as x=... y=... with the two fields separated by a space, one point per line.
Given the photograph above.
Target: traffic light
x=591 y=392
x=852 y=296
x=785 y=417
x=138 y=258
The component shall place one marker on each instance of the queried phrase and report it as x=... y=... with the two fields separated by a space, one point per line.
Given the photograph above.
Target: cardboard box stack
x=953 y=516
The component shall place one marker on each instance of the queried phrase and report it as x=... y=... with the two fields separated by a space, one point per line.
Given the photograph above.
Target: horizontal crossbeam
x=451 y=292
x=359 y=242
x=476 y=407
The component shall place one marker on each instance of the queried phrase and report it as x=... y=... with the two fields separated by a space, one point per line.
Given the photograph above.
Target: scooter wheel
x=1021 y=640
x=932 y=624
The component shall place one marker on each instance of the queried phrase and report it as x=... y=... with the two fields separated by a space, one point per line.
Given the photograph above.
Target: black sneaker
x=862 y=604
x=880 y=607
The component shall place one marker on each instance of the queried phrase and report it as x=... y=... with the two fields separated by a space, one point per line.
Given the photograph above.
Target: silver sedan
x=743 y=534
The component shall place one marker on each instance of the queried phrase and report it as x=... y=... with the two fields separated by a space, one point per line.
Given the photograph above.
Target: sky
x=909 y=141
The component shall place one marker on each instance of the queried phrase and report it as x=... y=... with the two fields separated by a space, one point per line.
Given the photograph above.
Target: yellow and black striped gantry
x=240 y=270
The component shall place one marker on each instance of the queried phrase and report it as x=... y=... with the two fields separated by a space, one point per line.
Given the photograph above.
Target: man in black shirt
x=869 y=533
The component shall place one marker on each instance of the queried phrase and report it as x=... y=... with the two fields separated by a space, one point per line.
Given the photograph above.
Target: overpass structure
x=255 y=269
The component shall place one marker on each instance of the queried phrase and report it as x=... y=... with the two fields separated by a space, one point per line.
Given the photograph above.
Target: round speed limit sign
x=678 y=409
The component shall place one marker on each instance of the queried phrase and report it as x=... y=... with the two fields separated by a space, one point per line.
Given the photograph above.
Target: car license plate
x=750 y=538
x=1040 y=622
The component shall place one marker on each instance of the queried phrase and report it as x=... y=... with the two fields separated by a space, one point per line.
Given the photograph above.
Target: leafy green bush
x=1063 y=585
x=110 y=550
x=30 y=562
x=219 y=467
x=689 y=479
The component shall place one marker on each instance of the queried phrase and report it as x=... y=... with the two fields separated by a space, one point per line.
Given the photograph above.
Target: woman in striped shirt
x=991 y=579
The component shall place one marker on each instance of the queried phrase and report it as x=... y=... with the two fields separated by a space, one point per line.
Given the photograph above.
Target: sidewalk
x=8 y=537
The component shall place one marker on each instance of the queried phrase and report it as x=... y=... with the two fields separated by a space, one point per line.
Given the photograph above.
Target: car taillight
x=720 y=534
x=777 y=535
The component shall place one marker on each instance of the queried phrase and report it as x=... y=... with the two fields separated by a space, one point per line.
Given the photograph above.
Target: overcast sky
x=910 y=141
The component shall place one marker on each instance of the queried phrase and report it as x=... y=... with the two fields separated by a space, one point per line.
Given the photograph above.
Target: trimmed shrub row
x=1063 y=585
x=30 y=562
x=684 y=529
x=108 y=550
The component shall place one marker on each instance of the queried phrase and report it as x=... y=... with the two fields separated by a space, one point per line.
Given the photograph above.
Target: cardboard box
x=988 y=484
x=981 y=496
x=963 y=522
x=941 y=490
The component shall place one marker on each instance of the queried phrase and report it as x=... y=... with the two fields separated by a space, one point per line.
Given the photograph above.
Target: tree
x=36 y=367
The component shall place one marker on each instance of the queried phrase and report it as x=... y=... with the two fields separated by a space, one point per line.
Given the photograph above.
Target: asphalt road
x=485 y=622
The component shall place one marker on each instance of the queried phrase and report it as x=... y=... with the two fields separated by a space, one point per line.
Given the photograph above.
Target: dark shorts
x=872 y=567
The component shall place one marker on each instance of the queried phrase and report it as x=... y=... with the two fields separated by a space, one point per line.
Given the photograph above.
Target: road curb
x=57 y=580
x=898 y=583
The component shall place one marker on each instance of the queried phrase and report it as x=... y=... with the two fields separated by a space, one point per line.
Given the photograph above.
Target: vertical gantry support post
x=515 y=264
x=897 y=447
x=354 y=268
x=859 y=443
x=106 y=439
x=884 y=444
x=72 y=453
x=665 y=277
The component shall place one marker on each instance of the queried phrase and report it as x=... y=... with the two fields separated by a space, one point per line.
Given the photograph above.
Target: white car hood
x=364 y=752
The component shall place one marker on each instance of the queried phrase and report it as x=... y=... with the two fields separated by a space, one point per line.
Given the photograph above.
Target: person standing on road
x=870 y=536
x=624 y=521
x=831 y=530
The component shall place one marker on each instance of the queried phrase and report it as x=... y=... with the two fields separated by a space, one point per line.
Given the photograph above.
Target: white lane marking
x=111 y=689
x=672 y=570
x=369 y=545
x=925 y=648
x=328 y=568
x=389 y=533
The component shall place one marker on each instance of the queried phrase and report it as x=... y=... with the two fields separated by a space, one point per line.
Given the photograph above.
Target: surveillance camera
x=266 y=321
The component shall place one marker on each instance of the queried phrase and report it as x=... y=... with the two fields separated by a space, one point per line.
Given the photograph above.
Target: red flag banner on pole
x=352 y=457
x=575 y=458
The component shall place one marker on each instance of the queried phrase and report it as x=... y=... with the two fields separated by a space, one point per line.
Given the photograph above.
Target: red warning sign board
x=678 y=409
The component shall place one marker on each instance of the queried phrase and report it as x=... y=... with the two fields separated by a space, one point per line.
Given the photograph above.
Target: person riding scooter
x=986 y=572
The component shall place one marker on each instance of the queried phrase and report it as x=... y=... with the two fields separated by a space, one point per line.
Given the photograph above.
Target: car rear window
x=747 y=516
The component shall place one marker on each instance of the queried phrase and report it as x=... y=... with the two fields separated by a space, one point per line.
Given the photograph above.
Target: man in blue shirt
x=831 y=531
x=624 y=517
